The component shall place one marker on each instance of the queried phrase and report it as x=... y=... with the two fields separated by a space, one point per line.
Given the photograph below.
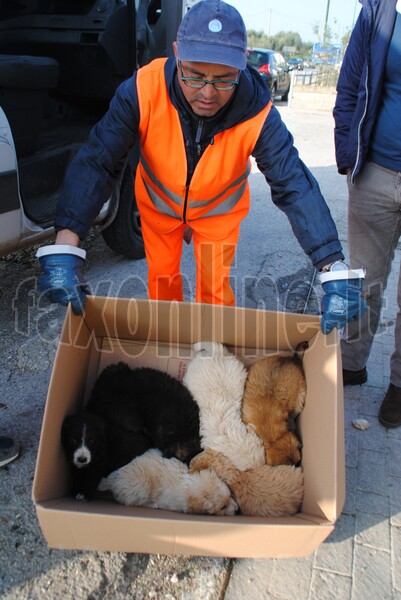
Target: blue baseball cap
x=214 y=32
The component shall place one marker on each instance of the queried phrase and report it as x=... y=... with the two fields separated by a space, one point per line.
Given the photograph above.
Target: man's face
x=206 y=101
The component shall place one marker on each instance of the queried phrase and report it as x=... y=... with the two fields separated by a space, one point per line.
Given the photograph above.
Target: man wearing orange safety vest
x=198 y=115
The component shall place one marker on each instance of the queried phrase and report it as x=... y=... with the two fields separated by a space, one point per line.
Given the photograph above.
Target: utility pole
x=269 y=19
x=325 y=23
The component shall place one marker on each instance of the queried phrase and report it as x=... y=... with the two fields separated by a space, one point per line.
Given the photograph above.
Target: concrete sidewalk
x=360 y=560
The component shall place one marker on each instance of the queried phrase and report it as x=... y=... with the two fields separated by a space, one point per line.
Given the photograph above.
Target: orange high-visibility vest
x=219 y=185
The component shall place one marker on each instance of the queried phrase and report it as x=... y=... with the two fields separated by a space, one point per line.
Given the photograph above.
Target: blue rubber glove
x=342 y=301
x=62 y=281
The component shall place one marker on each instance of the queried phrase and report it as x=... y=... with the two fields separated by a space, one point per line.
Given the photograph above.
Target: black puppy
x=94 y=448
x=151 y=401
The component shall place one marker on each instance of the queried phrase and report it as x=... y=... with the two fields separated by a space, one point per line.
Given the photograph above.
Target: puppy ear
x=67 y=426
x=300 y=350
x=96 y=420
x=66 y=434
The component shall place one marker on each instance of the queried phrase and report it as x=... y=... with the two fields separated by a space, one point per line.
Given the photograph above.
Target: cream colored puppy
x=264 y=491
x=216 y=378
x=165 y=483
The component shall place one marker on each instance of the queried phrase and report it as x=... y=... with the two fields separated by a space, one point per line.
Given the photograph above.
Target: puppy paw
x=285 y=451
x=295 y=453
x=199 y=462
x=80 y=498
x=250 y=427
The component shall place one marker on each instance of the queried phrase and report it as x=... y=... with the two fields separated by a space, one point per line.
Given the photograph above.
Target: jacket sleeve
x=296 y=192
x=95 y=169
x=350 y=86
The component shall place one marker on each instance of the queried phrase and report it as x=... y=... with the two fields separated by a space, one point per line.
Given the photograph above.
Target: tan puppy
x=216 y=380
x=275 y=391
x=263 y=491
x=166 y=483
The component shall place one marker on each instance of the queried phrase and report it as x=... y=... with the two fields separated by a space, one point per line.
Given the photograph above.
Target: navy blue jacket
x=96 y=168
x=359 y=85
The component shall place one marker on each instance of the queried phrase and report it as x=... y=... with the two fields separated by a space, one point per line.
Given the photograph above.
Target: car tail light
x=265 y=69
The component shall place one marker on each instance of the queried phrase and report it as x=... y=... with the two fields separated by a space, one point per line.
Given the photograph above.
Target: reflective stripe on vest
x=220 y=180
x=223 y=207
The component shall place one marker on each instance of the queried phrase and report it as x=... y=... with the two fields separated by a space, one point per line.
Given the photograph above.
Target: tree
x=283 y=39
x=345 y=39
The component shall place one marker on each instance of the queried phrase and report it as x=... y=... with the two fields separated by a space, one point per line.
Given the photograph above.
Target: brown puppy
x=263 y=491
x=275 y=391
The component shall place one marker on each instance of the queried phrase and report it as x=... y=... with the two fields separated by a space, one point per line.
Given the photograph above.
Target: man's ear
x=175 y=50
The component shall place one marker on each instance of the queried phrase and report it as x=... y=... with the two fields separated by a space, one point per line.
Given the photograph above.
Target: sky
x=273 y=16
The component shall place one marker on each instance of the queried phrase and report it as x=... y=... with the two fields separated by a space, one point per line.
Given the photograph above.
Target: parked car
x=272 y=67
x=60 y=64
x=295 y=63
x=308 y=63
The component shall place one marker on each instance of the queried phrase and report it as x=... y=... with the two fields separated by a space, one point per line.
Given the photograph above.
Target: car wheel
x=124 y=234
x=284 y=97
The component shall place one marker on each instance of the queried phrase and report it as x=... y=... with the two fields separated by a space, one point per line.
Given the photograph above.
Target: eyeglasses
x=220 y=85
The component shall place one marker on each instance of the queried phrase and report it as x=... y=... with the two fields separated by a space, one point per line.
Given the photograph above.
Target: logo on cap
x=215 y=26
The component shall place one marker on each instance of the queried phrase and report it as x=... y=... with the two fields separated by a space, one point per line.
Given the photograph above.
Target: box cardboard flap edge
x=169 y=533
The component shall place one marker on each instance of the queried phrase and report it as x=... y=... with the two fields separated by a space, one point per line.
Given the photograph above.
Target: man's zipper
x=198 y=138
x=358 y=153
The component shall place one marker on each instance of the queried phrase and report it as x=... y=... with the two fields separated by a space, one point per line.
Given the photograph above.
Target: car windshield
x=257 y=59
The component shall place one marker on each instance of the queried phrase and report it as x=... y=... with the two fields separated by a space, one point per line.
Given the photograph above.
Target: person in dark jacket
x=368 y=150
x=198 y=116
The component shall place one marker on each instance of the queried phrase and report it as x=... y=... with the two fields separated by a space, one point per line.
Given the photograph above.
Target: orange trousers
x=213 y=260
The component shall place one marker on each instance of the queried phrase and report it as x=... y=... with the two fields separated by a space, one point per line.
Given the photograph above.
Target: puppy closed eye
x=229 y=507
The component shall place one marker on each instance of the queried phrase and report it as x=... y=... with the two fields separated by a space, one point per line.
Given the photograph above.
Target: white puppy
x=216 y=379
x=165 y=483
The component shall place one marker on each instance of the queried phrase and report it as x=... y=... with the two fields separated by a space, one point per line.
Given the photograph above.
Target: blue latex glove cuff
x=62 y=281
x=342 y=302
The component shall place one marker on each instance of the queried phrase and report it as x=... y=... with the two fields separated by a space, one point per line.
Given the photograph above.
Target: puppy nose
x=82 y=459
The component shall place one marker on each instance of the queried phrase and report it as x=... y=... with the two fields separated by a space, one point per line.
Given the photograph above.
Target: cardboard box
x=160 y=334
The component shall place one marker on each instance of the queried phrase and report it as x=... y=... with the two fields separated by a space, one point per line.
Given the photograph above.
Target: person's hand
x=342 y=300
x=62 y=281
